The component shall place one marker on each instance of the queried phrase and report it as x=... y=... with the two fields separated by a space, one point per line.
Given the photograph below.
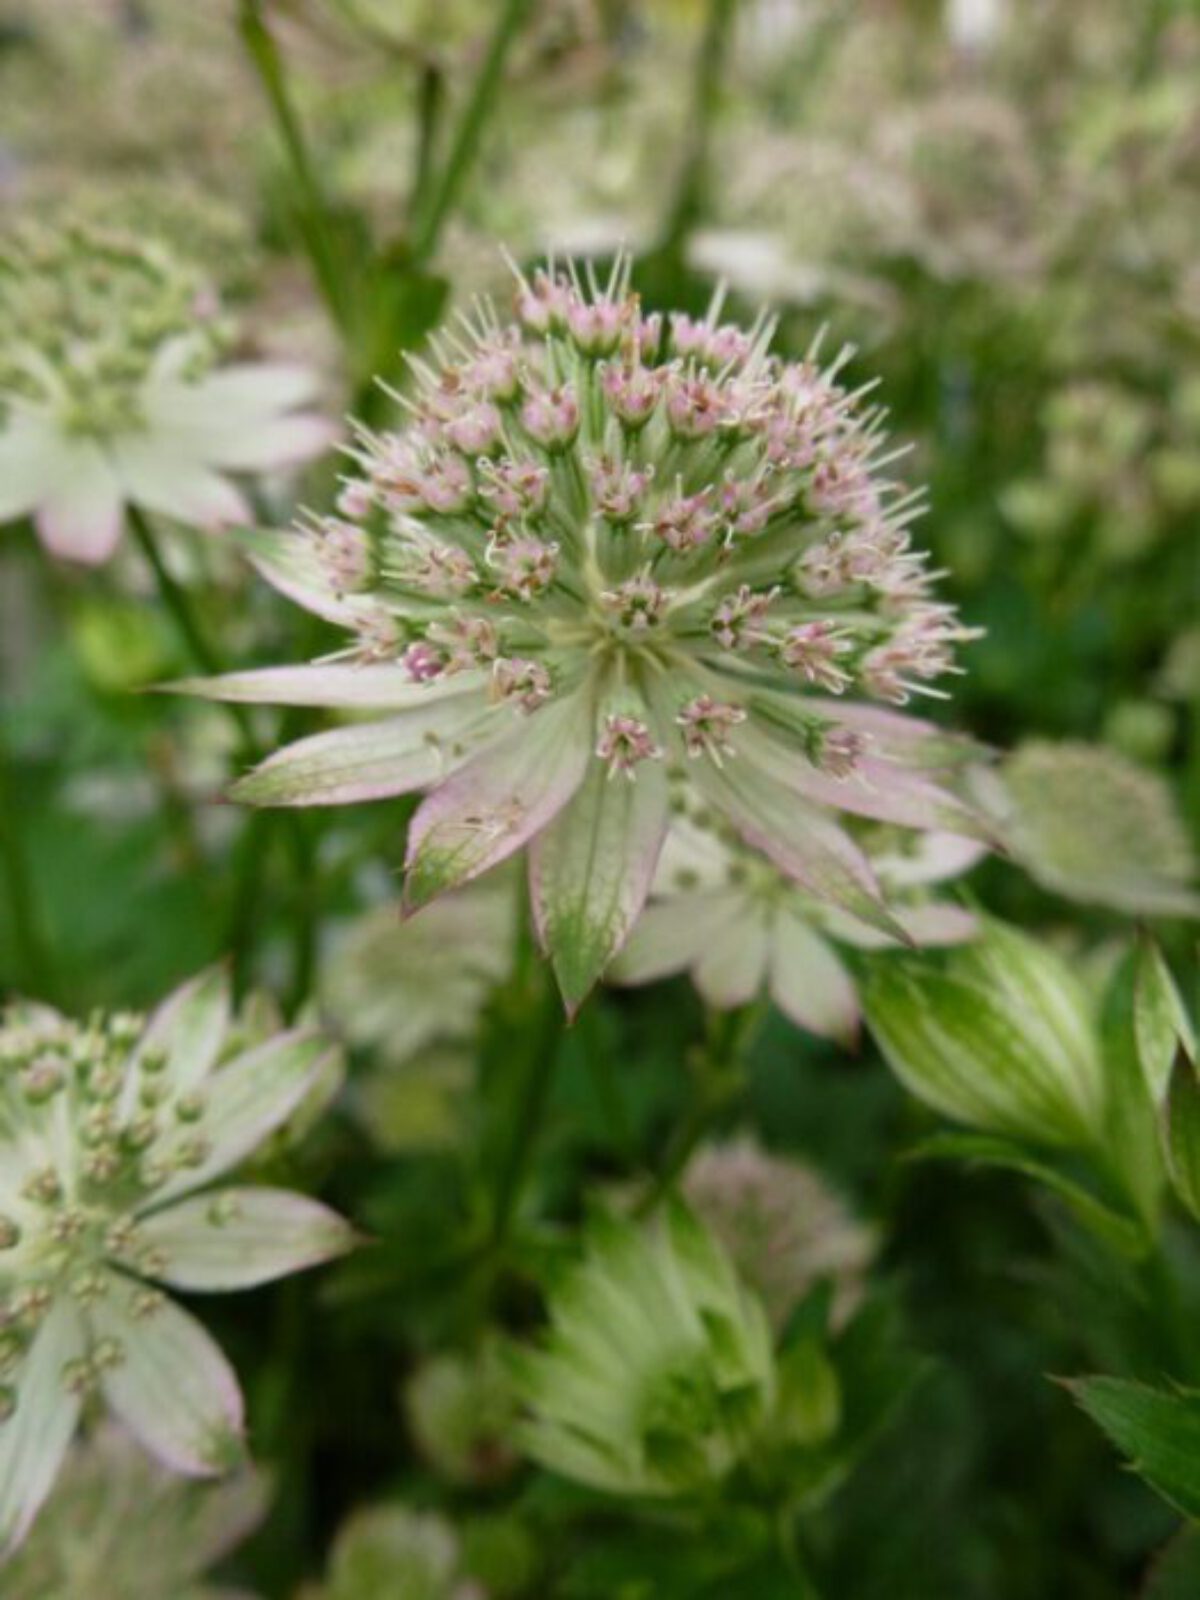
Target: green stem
x=250 y=860
x=176 y=600
x=687 y=203
x=427 y=226
x=314 y=212
x=528 y=1114
x=431 y=94
x=36 y=964
x=720 y=1079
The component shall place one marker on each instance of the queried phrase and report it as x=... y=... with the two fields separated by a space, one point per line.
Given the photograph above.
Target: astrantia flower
x=728 y=916
x=657 y=1373
x=398 y=1552
x=783 y=1227
x=117 y=1526
x=112 y=1134
x=1089 y=824
x=111 y=393
x=604 y=546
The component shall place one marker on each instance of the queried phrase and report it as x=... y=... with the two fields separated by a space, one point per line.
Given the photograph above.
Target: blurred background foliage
x=995 y=202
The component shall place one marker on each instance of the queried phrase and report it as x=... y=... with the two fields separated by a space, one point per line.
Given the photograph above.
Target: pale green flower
x=1089 y=824
x=113 y=1133
x=656 y=1374
x=395 y=1552
x=118 y=1528
x=603 y=547
x=728 y=917
x=461 y=1410
x=111 y=393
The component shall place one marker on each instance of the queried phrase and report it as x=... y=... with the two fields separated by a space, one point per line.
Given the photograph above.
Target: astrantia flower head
x=783 y=1226
x=111 y=391
x=604 y=546
x=396 y=1551
x=118 y=1526
x=657 y=1372
x=728 y=916
x=112 y=1133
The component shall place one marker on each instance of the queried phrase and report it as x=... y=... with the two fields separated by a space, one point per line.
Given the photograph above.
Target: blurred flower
x=112 y=395
x=113 y=1133
x=733 y=921
x=604 y=546
x=1001 y=1036
x=656 y=1372
x=461 y=1410
x=116 y=1528
x=397 y=986
x=1089 y=824
x=392 y=1551
x=783 y=1227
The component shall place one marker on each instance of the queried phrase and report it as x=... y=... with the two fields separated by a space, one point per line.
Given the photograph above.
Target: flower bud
x=1000 y=1036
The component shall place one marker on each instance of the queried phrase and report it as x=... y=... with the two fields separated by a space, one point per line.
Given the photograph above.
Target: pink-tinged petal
x=933 y=858
x=167 y=481
x=266 y=446
x=733 y=968
x=172 y=1387
x=34 y=1439
x=243 y=1102
x=245 y=393
x=30 y=449
x=802 y=842
x=884 y=790
x=671 y=935
x=373 y=760
x=237 y=1238
x=334 y=688
x=188 y=1028
x=291 y=562
x=809 y=984
x=499 y=800
x=591 y=869
x=81 y=517
x=926 y=925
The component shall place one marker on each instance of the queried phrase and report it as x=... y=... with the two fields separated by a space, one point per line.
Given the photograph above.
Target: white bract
x=727 y=916
x=111 y=394
x=604 y=547
x=112 y=1135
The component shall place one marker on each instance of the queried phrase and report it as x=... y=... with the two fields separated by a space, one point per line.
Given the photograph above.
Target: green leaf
x=1132 y=1136
x=1158 y=1429
x=1175 y=1574
x=1181 y=1132
x=1159 y=1021
x=590 y=872
x=1122 y=1232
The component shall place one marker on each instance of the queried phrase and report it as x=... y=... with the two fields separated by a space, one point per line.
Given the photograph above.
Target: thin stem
x=431 y=94
x=528 y=1113
x=176 y=600
x=37 y=968
x=314 y=211
x=427 y=227
x=720 y=1074
x=687 y=203
x=250 y=859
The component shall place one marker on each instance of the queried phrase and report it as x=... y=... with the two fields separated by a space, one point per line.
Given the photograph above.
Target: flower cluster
x=604 y=545
x=783 y=1226
x=169 y=1531
x=111 y=391
x=112 y=1133
x=729 y=917
x=657 y=1373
